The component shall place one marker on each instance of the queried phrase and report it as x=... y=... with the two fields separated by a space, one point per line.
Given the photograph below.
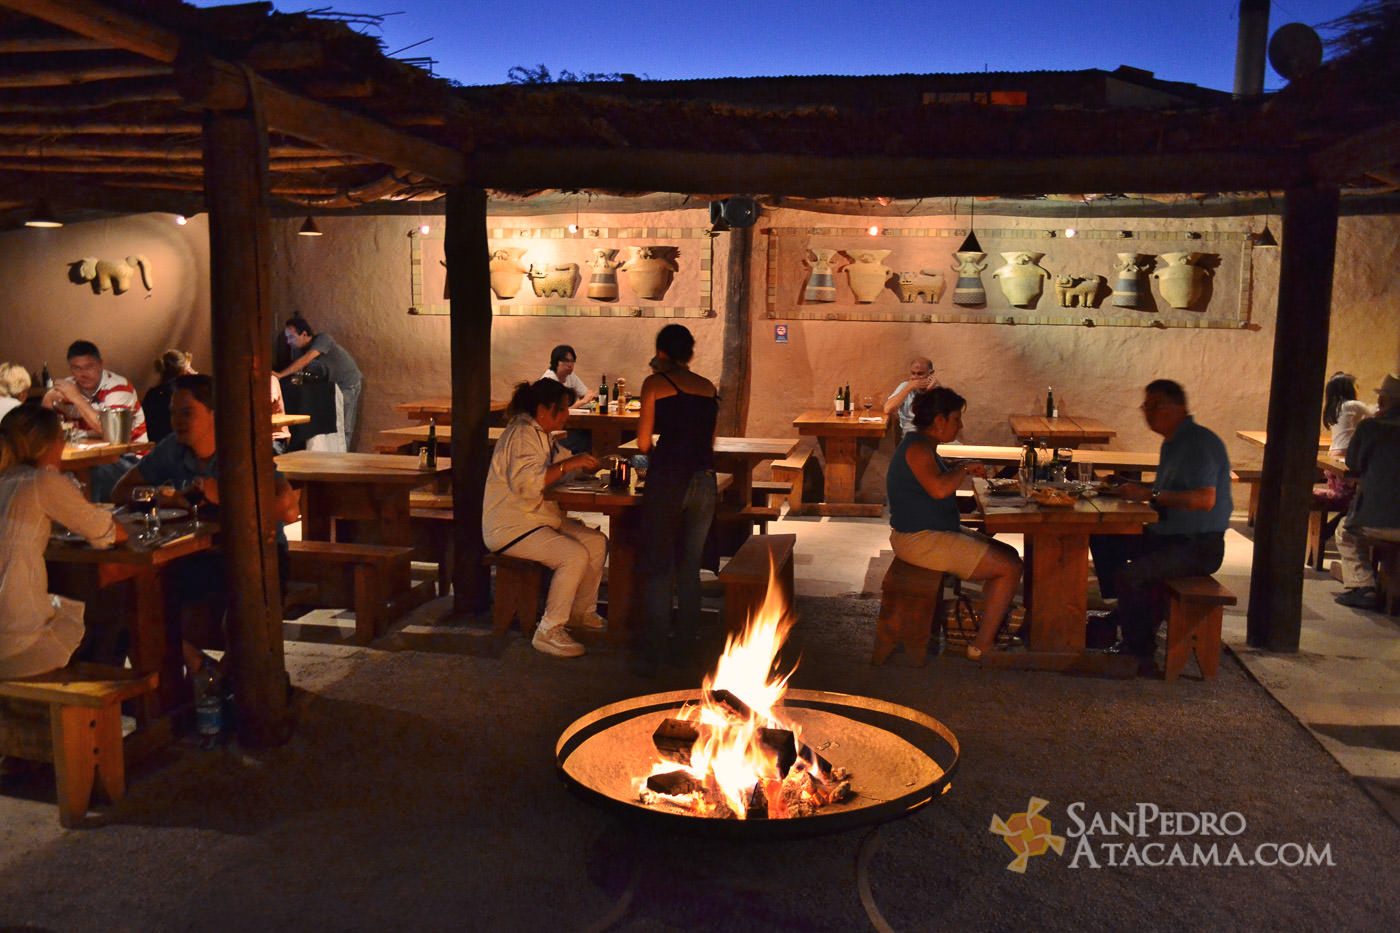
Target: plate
x=165 y=515
x=634 y=406
x=60 y=533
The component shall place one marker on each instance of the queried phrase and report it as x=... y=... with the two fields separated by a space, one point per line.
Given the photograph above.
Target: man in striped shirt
x=91 y=388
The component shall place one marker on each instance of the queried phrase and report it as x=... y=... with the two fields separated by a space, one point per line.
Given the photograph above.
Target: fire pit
x=747 y=757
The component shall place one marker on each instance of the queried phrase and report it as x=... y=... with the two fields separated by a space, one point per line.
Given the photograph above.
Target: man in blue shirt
x=1192 y=496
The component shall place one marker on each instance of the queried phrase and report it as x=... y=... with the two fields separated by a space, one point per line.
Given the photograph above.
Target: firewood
x=674 y=783
x=757 y=808
x=674 y=739
x=782 y=744
x=735 y=706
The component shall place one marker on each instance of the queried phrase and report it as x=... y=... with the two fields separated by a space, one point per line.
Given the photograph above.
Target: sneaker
x=1361 y=597
x=588 y=621
x=556 y=641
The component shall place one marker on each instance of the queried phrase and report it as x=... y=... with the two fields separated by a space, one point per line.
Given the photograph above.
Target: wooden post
x=235 y=159
x=738 y=339
x=469 y=278
x=1295 y=410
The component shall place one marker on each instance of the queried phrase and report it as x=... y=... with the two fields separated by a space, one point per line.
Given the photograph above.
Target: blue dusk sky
x=478 y=42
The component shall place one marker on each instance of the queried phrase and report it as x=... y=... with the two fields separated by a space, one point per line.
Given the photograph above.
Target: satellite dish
x=1295 y=50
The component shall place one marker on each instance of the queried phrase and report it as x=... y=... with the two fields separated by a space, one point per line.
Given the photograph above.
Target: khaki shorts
x=955 y=552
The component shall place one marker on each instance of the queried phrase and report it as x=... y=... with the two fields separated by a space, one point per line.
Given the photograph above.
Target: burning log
x=673 y=783
x=674 y=739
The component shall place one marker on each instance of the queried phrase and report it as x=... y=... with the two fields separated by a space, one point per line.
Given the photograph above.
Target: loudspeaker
x=733 y=212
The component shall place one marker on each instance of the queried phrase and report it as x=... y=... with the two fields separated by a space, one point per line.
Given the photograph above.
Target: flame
x=733 y=760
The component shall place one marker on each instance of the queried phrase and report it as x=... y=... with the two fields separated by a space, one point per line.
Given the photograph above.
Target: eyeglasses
x=569 y=359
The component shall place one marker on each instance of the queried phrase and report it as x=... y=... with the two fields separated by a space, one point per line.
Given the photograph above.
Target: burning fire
x=730 y=755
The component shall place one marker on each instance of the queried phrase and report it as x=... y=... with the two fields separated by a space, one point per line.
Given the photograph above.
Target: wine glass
x=867 y=402
x=145 y=500
x=194 y=495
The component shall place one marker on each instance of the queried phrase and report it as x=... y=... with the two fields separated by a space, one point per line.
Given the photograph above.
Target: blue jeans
x=676 y=518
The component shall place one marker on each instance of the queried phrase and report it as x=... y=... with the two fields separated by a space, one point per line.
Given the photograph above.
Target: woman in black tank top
x=678 y=504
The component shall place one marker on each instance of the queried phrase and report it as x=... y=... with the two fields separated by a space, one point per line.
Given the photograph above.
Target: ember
x=729 y=755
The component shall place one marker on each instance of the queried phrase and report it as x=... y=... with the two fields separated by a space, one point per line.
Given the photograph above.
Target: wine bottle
x=1050 y=410
x=840 y=402
x=48 y=380
x=432 y=444
x=850 y=409
x=602 y=399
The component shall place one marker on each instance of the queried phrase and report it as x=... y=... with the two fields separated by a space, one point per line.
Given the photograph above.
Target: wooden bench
x=432 y=533
x=1193 y=623
x=1386 y=555
x=372 y=579
x=745 y=577
x=429 y=499
x=1251 y=478
x=769 y=492
x=792 y=471
x=519 y=585
x=72 y=717
x=910 y=602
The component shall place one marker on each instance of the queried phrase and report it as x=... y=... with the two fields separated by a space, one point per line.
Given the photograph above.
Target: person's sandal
x=974 y=653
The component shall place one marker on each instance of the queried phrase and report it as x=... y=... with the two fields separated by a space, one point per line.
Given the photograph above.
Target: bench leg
x=1193 y=630
x=1253 y=502
x=75 y=745
x=366 y=604
x=111 y=762
x=907 y=620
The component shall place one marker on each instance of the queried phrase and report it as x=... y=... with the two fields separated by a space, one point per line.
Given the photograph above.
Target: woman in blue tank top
x=925 y=531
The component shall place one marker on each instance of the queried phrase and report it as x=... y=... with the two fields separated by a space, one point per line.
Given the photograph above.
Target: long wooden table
x=283 y=420
x=840 y=438
x=438 y=407
x=738 y=456
x=1057 y=573
x=79 y=571
x=1127 y=460
x=607 y=428
x=624 y=545
x=1261 y=438
x=371 y=489
x=396 y=440
x=1069 y=430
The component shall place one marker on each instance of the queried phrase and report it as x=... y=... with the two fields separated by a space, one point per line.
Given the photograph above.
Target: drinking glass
x=867 y=402
x=1026 y=478
x=194 y=495
x=145 y=500
x=1086 y=472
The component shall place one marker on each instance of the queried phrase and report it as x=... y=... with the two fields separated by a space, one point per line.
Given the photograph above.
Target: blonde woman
x=172 y=365
x=38 y=632
x=14 y=386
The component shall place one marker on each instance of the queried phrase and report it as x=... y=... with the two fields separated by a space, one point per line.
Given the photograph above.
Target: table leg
x=316 y=514
x=606 y=439
x=840 y=454
x=155 y=642
x=1057 y=588
x=624 y=596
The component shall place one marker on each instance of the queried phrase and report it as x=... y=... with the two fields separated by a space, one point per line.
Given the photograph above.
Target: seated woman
x=14 y=387
x=1342 y=411
x=921 y=488
x=172 y=365
x=517 y=520
x=39 y=632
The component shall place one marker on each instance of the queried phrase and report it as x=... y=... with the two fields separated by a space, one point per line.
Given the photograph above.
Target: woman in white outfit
x=39 y=632
x=518 y=521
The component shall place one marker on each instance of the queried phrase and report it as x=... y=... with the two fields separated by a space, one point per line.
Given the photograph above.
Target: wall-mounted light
x=1071 y=232
x=1264 y=239
x=424 y=229
x=181 y=220
x=873 y=230
x=43 y=216
x=309 y=228
x=573 y=228
x=1125 y=234
x=1193 y=234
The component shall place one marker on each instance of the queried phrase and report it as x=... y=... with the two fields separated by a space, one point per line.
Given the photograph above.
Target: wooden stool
x=1193 y=623
x=73 y=718
x=910 y=599
x=519 y=584
x=432 y=534
x=745 y=577
x=1386 y=555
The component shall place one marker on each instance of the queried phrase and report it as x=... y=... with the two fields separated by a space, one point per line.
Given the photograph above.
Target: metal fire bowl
x=900 y=759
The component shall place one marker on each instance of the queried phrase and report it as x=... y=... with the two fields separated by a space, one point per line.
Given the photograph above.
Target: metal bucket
x=116 y=425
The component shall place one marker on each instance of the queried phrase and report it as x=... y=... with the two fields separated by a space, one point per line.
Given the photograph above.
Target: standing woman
x=518 y=521
x=1342 y=411
x=171 y=365
x=39 y=632
x=678 y=504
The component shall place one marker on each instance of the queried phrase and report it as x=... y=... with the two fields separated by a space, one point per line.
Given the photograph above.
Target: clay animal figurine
x=554 y=281
x=506 y=270
x=1077 y=291
x=924 y=285
x=602 y=275
x=1021 y=279
x=106 y=275
x=868 y=273
x=651 y=269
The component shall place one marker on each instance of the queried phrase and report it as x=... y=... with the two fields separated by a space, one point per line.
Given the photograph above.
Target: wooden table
x=84 y=455
x=87 y=573
x=394 y=440
x=739 y=455
x=840 y=438
x=1057 y=572
x=624 y=546
x=371 y=489
x=1066 y=430
x=607 y=428
x=438 y=407
x=1261 y=438
x=1123 y=460
x=286 y=421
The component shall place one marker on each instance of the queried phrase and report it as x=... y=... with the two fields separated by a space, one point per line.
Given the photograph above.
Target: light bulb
x=874 y=230
x=424 y=229
x=573 y=228
x=181 y=220
x=1071 y=232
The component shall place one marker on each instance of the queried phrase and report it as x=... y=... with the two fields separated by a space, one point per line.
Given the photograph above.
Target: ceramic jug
x=651 y=270
x=602 y=275
x=1021 y=278
x=969 y=291
x=821 y=286
x=868 y=273
x=506 y=271
x=1126 y=282
x=1180 y=279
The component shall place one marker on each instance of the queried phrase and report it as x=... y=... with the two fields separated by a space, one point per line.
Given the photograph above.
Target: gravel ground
x=419 y=792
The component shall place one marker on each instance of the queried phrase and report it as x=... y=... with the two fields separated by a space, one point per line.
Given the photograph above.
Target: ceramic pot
x=602 y=275
x=969 y=291
x=1021 y=279
x=557 y=281
x=1126 y=282
x=1180 y=279
x=651 y=270
x=868 y=273
x=506 y=271
x=822 y=284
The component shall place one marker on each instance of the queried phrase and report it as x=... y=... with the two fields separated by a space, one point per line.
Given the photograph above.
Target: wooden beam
x=1295 y=409
x=469 y=278
x=45 y=44
x=819 y=176
x=735 y=373
x=1376 y=149
x=131 y=149
x=240 y=251
x=97 y=127
x=171 y=167
x=101 y=22
x=65 y=102
x=65 y=77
